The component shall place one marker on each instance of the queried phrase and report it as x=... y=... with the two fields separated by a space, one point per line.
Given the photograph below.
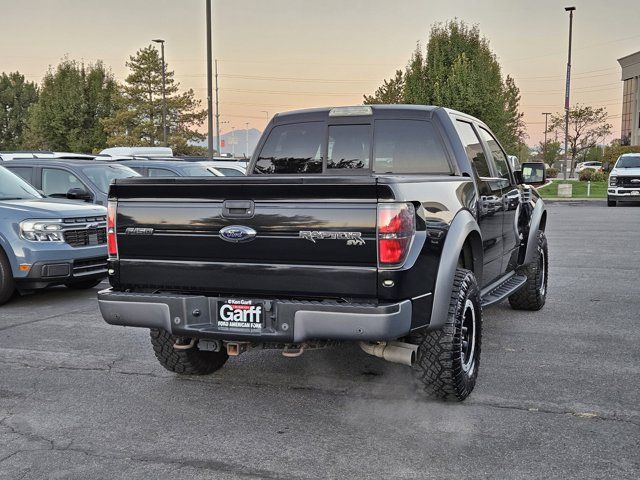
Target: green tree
x=72 y=100
x=613 y=151
x=459 y=71
x=138 y=119
x=391 y=91
x=16 y=96
x=551 y=152
x=587 y=128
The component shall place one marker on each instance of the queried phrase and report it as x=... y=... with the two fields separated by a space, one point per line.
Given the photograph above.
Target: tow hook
x=184 y=346
x=236 y=348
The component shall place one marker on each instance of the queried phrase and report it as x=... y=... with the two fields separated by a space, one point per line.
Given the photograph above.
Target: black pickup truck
x=391 y=226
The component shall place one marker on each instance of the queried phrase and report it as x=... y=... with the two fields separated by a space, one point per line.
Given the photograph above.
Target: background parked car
x=47 y=242
x=83 y=180
x=588 y=165
x=4 y=156
x=226 y=168
x=167 y=168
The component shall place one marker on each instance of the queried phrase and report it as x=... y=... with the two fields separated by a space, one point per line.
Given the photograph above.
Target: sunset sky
x=277 y=55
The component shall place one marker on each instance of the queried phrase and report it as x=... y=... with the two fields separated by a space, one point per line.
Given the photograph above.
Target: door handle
x=238 y=208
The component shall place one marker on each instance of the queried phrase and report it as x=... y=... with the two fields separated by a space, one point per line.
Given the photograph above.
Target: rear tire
x=534 y=293
x=7 y=285
x=185 y=362
x=82 y=285
x=448 y=359
x=611 y=203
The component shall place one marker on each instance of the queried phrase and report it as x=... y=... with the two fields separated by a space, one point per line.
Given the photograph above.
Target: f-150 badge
x=352 y=238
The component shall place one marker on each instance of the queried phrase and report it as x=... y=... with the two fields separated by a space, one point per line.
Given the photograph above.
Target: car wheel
x=190 y=361
x=7 y=285
x=534 y=293
x=611 y=203
x=448 y=358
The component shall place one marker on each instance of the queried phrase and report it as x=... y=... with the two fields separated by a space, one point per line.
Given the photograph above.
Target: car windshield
x=631 y=161
x=196 y=171
x=102 y=175
x=12 y=187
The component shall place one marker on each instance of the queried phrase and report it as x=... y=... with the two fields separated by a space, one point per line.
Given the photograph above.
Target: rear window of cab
x=399 y=146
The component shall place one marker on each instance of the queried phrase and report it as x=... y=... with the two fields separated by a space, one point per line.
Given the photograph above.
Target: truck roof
x=316 y=114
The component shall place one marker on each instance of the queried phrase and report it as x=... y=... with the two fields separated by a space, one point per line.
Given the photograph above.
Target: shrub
x=552 y=172
x=598 y=177
x=585 y=175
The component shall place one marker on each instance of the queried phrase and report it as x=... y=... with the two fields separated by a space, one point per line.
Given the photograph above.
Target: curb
x=574 y=200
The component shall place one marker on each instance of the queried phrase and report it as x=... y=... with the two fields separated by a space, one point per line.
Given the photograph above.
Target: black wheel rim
x=542 y=266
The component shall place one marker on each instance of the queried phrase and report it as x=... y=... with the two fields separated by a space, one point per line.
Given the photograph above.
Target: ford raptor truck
x=390 y=226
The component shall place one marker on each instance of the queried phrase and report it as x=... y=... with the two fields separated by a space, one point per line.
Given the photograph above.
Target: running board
x=499 y=291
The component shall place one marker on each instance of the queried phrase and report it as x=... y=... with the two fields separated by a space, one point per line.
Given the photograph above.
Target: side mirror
x=533 y=173
x=79 y=194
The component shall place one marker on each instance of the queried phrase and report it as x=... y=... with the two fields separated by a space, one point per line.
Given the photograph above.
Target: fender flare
x=534 y=225
x=5 y=248
x=462 y=225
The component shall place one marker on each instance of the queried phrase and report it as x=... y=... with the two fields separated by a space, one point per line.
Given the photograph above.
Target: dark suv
x=83 y=180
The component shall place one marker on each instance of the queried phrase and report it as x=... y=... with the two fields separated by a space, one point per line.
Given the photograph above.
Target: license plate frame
x=240 y=314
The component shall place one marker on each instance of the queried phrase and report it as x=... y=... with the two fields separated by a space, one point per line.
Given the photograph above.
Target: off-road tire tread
x=438 y=367
x=184 y=362
x=7 y=285
x=529 y=297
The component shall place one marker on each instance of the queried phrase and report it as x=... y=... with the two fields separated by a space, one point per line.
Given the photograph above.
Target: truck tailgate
x=169 y=235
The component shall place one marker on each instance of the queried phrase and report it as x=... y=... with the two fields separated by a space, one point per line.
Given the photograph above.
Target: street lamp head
x=569 y=9
x=157 y=40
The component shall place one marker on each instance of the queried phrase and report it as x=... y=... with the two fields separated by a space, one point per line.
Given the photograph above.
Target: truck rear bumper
x=286 y=321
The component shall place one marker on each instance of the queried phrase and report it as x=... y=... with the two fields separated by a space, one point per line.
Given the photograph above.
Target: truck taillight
x=396 y=228
x=112 y=241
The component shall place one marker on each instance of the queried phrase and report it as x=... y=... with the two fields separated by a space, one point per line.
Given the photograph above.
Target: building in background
x=631 y=98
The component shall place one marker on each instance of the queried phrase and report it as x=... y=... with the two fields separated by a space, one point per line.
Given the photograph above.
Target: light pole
x=566 y=94
x=544 y=150
x=210 y=89
x=233 y=141
x=164 y=95
x=246 y=139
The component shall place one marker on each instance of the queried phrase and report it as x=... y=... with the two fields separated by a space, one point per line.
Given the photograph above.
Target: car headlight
x=42 y=230
x=613 y=181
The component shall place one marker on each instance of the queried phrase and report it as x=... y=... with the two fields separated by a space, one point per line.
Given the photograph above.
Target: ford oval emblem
x=237 y=233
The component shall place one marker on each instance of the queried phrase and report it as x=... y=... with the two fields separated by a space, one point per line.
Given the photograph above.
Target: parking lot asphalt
x=558 y=393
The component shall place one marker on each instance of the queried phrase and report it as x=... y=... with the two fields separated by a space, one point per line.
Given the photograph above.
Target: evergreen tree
x=73 y=99
x=460 y=71
x=16 y=96
x=138 y=119
x=391 y=91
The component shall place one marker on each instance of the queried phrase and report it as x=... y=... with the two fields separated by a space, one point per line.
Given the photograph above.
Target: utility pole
x=233 y=141
x=247 y=139
x=566 y=95
x=210 y=89
x=164 y=95
x=544 y=150
x=217 y=111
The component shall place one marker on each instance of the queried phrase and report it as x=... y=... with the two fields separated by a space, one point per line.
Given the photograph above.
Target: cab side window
x=473 y=148
x=57 y=182
x=161 y=172
x=499 y=157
